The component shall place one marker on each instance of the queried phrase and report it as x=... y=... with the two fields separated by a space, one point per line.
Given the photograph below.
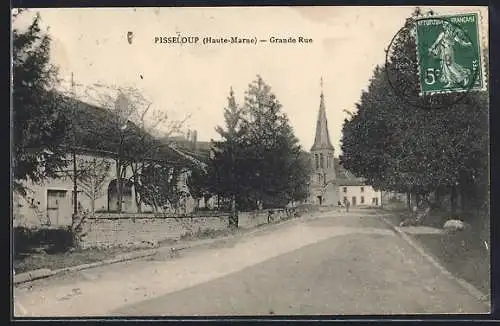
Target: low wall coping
x=116 y=216
x=153 y=217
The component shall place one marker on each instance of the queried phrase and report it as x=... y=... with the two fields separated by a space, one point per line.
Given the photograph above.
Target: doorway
x=353 y=201
x=58 y=207
x=320 y=199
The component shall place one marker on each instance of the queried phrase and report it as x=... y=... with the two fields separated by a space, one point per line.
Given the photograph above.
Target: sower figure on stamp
x=451 y=72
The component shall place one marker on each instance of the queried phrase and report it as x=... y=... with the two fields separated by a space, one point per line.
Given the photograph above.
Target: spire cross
x=321 y=83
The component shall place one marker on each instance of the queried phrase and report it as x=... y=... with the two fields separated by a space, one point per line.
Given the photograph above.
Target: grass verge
x=53 y=261
x=461 y=253
x=460 y=256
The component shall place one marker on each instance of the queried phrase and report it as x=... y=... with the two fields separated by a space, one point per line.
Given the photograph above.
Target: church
x=330 y=182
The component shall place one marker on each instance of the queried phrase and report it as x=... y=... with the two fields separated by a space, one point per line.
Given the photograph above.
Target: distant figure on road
x=339 y=204
x=347 y=204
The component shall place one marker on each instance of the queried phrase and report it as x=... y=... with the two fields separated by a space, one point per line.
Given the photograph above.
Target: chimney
x=195 y=144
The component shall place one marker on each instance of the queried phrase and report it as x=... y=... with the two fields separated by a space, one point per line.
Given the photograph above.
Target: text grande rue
x=229 y=40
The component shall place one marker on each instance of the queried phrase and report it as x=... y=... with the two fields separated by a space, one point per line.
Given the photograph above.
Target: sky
x=348 y=42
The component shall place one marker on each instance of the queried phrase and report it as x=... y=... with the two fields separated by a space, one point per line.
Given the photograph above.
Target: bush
x=51 y=239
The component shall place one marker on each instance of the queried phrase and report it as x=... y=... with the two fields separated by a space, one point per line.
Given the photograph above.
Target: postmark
x=449 y=54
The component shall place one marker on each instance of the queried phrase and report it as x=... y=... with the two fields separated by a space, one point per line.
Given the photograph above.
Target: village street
x=334 y=263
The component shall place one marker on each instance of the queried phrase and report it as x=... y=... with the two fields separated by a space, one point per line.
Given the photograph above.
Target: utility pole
x=121 y=104
x=75 y=186
x=234 y=213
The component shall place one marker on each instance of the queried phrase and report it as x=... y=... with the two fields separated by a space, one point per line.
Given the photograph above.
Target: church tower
x=323 y=189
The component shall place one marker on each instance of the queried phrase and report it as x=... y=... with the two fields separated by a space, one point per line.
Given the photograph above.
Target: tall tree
x=300 y=165
x=225 y=168
x=156 y=123
x=259 y=159
x=273 y=145
x=40 y=123
x=399 y=146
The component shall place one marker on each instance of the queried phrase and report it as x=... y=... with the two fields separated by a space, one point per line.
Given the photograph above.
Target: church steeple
x=322 y=138
x=323 y=187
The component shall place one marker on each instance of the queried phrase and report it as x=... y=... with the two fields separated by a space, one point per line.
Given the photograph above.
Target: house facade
x=51 y=202
x=330 y=183
x=359 y=194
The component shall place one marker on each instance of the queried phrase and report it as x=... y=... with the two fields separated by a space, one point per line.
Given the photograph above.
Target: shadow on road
x=352 y=220
x=371 y=273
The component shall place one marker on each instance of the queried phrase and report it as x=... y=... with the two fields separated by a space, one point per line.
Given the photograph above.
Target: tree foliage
x=224 y=168
x=134 y=129
x=40 y=123
x=159 y=186
x=399 y=146
x=92 y=175
x=259 y=158
x=198 y=182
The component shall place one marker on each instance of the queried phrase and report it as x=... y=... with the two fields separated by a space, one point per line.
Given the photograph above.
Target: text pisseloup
x=176 y=39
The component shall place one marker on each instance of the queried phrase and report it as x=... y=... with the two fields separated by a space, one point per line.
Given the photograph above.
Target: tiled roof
x=347 y=182
x=93 y=126
x=342 y=173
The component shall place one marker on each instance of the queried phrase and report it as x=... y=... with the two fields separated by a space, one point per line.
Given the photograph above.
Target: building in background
x=330 y=183
x=51 y=202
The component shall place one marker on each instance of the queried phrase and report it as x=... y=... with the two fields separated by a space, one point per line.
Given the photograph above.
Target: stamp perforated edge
x=482 y=41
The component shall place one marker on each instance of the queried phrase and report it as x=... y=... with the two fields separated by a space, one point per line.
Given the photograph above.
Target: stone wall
x=144 y=230
x=126 y=230
x=112 y=232
x=253 y=219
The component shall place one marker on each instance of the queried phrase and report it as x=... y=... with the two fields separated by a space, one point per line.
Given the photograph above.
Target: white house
x=359 y=194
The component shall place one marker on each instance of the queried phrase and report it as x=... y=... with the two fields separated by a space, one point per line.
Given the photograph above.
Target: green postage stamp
x=449 y=54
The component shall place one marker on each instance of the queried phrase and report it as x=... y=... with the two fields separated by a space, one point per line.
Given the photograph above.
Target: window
x=319 y=177
x=345 y=189
x=321 y=160
x=362 y=189
x=317 y=160
x=345 y=199
x=330 y=160
x=362 y=200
